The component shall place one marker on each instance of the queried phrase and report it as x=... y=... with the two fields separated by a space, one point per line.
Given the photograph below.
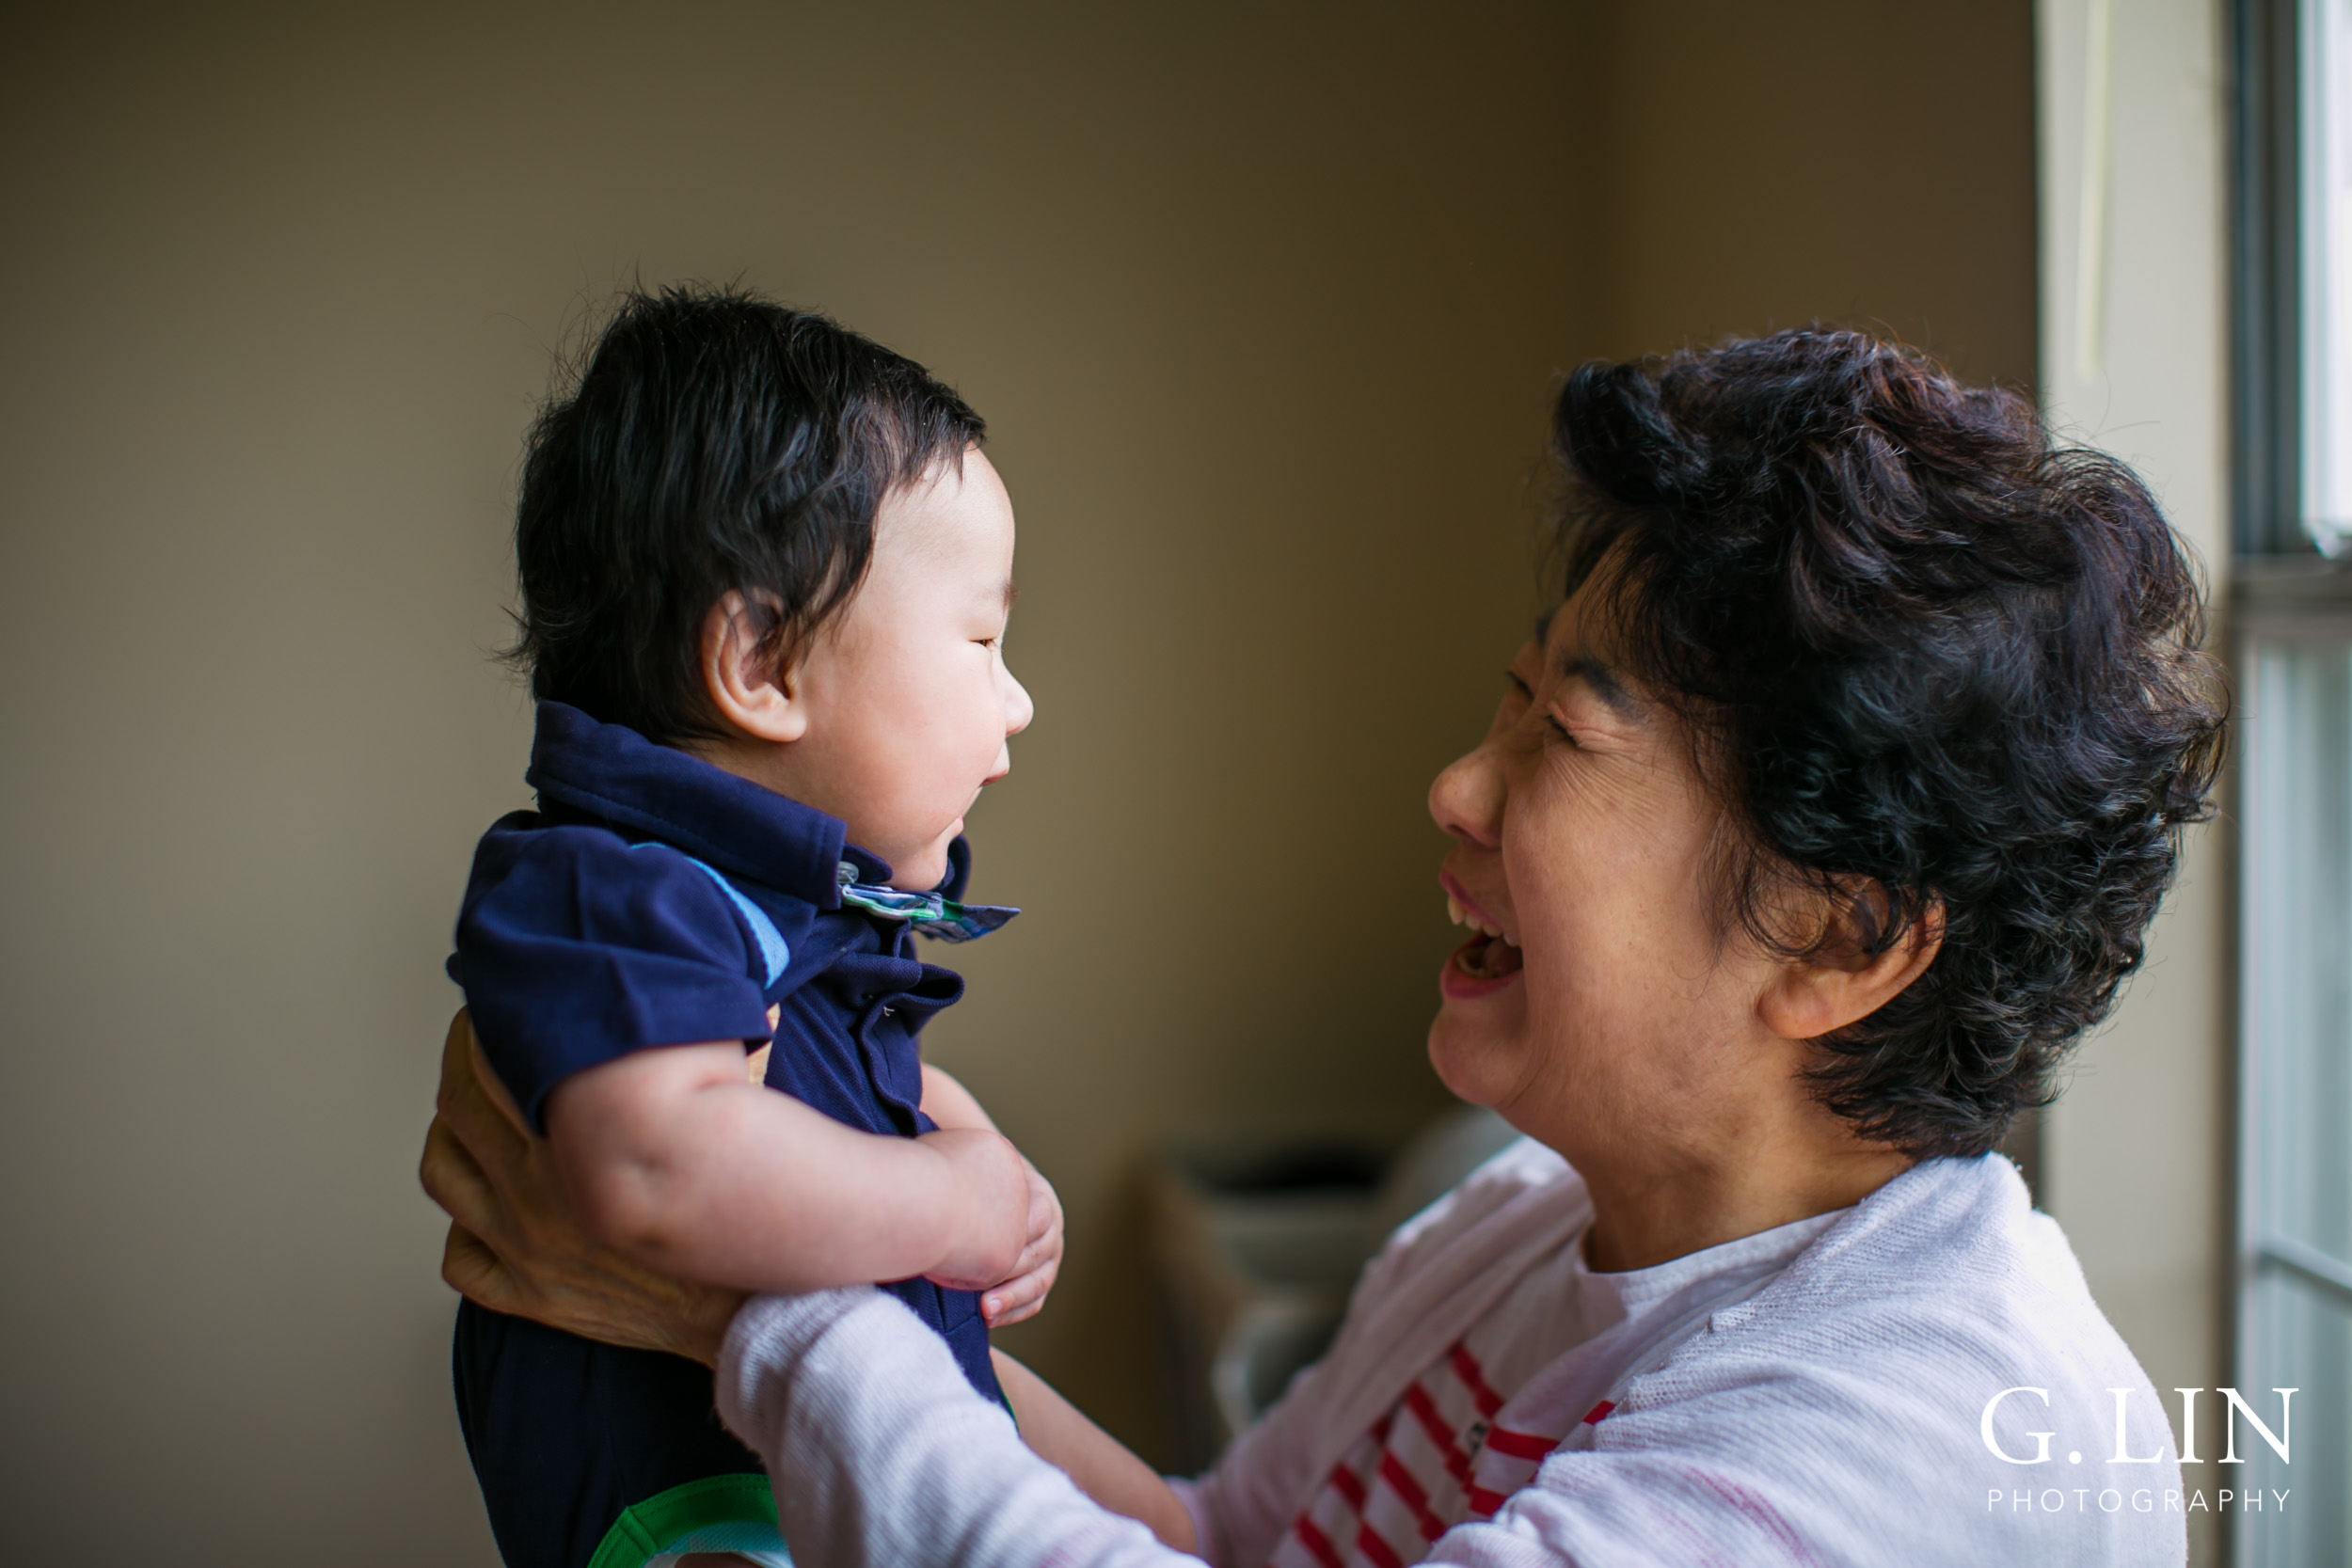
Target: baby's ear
x=751 y=689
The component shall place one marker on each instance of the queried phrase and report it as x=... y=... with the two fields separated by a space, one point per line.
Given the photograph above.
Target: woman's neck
x=1658 y=1211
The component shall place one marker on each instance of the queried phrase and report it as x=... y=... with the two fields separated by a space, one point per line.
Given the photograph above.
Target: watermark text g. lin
x=2235 y=1408
x=2144 y=1499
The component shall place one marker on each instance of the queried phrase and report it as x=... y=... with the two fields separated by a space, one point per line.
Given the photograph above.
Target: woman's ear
x=751 y=693
x=1847 y=976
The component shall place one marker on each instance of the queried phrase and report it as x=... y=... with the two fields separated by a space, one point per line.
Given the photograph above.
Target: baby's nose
x=1019 y=709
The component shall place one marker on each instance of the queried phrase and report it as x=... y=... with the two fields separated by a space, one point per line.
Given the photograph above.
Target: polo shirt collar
x=611 y=772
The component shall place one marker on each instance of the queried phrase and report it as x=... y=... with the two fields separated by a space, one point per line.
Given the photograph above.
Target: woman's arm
x=1104 y=1468
x=881 y=1454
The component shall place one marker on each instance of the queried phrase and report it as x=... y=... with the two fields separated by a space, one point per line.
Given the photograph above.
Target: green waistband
x=644 y=1531
x=647 y=1530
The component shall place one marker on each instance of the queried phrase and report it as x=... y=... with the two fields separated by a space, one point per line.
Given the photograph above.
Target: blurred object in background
x=1257 y=1239
x=1436 y=1160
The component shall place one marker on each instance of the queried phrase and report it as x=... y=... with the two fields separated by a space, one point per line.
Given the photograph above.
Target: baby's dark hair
x=1934 y=663
x=714 y=441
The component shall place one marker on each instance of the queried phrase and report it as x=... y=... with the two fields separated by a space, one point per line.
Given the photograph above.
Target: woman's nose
x=1467 y=799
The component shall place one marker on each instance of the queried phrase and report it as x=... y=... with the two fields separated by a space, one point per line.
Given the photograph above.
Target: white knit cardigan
x=1838 y=1416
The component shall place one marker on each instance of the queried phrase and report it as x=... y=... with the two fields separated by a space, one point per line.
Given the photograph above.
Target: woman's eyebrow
x=1604 y=681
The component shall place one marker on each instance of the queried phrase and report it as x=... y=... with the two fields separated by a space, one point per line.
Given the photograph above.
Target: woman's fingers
x=480 y=1165
x=451 y=1176
x=454 y=1180
x=483 y=1165
x=493 y=1087
x=474 y=1271
x=473 y=1101
x=515 y=1245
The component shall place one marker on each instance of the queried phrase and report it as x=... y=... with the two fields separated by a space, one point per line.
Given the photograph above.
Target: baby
x=765 y=574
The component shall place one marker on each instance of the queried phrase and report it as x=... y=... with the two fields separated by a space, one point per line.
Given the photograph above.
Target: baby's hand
x=990 y=1188
x=1023 y=1290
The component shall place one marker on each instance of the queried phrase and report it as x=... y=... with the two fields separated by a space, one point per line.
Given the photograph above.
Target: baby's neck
x=768 y=766
x=754 y=761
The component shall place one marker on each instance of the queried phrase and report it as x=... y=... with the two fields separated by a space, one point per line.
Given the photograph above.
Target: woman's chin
x=1469 y=1067
x=1472 y=1040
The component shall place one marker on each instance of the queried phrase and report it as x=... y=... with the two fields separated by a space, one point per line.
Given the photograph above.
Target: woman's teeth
x=1461 y=916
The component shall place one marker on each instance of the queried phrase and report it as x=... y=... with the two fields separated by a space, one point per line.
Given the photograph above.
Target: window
x=2295 y=1328
x=2325 y=95
x=2291 y=610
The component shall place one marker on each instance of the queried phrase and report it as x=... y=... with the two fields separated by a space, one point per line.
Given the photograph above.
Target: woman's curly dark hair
x=1933 y=664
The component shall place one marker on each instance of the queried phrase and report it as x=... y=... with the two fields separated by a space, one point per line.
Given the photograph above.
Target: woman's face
x=1612 y=1013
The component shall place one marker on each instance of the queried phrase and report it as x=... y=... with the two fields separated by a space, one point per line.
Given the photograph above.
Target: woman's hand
x=516 y=1245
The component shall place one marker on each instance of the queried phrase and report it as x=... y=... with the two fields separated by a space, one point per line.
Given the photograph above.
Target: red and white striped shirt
x=1441 y=1455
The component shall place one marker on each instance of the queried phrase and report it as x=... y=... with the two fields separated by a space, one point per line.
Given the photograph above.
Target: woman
x=1824 y=814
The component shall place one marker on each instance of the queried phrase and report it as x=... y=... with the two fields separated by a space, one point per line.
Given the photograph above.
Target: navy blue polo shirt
x=654 y=899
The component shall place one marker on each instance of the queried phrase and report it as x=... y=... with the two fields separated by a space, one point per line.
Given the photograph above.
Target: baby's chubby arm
x=947 y=1102
x=678 y=1164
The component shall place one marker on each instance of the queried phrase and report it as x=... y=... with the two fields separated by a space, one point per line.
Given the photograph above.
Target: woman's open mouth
x=1487 y=958
x=1486 y=963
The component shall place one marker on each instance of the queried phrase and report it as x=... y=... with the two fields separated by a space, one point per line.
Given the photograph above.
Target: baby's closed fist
x=1023 y=1289
x=989 y=1199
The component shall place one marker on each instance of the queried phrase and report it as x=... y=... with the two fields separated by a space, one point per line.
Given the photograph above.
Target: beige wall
x=2137 y=1153
x=1768 y=164
x=1264 y=314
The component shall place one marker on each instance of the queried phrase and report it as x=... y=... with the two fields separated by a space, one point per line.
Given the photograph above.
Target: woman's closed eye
x=1520 y=686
